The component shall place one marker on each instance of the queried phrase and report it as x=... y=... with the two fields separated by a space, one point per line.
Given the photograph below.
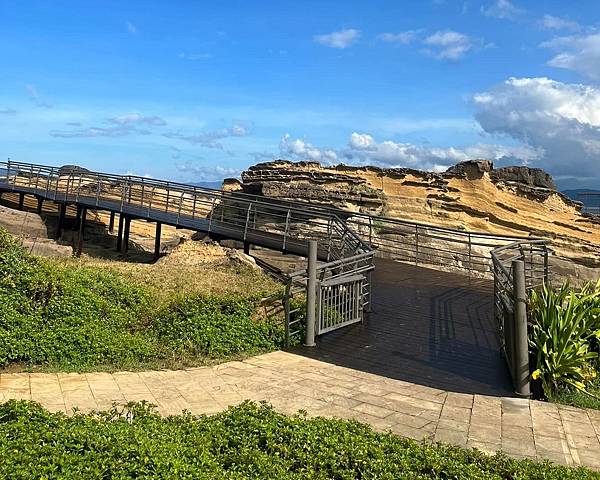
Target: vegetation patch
x=65 y=315
x=565 y=341
x=246 y=442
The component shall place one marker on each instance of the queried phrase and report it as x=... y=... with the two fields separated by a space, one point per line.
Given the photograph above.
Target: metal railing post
x=521 y=359
x=311 y=294
x=416 y=244
x=286 y=307
x=546 y=265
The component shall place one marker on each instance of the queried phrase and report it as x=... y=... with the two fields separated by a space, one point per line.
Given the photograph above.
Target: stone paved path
x=521 y=428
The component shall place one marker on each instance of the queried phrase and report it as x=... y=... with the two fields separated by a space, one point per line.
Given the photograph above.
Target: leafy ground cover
x=565 y=340
x=68 y=315
x=249 y=441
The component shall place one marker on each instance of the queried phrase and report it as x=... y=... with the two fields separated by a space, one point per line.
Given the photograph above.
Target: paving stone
x=451 y=424
x=341 y=401
x=551 y=444
x=411 y=432
x=579 y=429
x=451 y=436
x=517 y=432
x=574 y=416
x=373 y=410
x=459 y=400
x=413 y=402
x=410 y=420
x=589 y=458
x=456 y=413
x=485 y=433
x=562 y=458
x=518 y=447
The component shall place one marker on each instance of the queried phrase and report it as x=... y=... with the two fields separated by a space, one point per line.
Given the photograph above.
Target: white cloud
x=208 y=172
x=131 y=28
x=137 y=119
x=502 y=9
x=561 y=120
x=448 y=45
x=8 y=111
x=580 y=53
x=118 y=131
x=211 y=139
x=364 y=149
x=551 y=22
x=403 y=38
x=340 y=39
x=122 y=125
x=299 y=149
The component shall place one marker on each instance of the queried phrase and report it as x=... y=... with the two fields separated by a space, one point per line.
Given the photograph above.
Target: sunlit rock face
x=471 y=195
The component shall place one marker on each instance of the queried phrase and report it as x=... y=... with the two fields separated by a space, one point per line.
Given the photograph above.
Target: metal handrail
x=518 y=268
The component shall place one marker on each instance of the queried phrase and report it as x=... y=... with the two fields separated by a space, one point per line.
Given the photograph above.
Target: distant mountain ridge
x=587 y=201
x=216 y=185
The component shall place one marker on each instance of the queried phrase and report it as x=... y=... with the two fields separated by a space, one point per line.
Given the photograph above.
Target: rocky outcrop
x=308 y=182
x=472 y=195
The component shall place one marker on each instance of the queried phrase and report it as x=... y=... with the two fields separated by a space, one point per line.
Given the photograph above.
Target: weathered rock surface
x=472 y=195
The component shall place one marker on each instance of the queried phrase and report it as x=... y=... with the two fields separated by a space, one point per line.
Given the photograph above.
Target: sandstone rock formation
x=469 y=196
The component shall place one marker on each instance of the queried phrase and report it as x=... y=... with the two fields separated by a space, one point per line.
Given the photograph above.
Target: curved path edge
x=518 y=427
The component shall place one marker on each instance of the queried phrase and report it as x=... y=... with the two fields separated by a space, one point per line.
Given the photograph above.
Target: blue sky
x=194 y=90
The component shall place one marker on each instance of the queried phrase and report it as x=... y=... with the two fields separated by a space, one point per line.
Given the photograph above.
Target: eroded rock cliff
x=469 y=196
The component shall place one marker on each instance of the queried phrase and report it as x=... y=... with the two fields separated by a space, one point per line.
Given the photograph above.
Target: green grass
x=63 y=315
x=246 y=442
x=576 y=398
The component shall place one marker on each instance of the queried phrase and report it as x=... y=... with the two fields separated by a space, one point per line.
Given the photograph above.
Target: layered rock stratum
x=472 y=195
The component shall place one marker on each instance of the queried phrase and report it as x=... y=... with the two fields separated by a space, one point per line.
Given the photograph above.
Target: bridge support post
x=521 y=350
x=247 y=248
x=78 y=215
x=311 y=294
x=125 y=244
x=111 y=222
x=62 y=212
x=21 y=200
x=120 y=233
x=81 y=231
x=40 y=204
x=157 y=240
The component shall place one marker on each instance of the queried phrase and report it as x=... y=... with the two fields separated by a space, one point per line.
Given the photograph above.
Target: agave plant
x=565 y=324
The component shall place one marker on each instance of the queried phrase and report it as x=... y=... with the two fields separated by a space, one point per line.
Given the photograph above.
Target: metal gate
x=339 y=303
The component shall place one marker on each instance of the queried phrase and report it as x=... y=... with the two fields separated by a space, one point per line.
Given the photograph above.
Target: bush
x=216 y=327
x=78 y=318
x=563 y=336
x=249 y=441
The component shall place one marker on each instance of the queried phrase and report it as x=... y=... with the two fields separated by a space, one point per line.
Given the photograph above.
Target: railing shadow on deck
x=427 y=327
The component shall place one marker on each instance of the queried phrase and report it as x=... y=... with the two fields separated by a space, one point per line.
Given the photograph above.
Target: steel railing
x=243 y=217
x=518 y=268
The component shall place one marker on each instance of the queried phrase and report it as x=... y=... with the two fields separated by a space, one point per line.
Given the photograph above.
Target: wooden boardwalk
x=427 y=327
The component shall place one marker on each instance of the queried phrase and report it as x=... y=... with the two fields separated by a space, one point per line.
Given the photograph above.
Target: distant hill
x=215 y=185
x=587 y=201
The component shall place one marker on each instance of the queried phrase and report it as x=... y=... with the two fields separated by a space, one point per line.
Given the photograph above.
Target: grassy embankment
x=72 y=315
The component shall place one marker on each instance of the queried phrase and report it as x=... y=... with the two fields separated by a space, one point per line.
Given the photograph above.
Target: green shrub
x=216 y=327
x=246 y=442
x=77 y=318
x=565 y=327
